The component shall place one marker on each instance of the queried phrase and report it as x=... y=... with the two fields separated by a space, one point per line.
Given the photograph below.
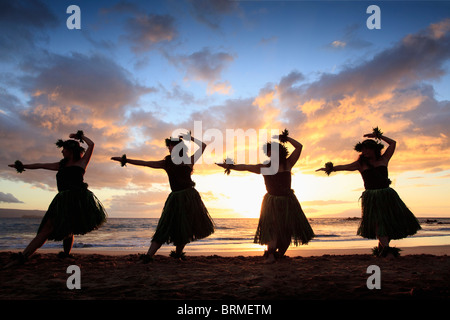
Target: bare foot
x=270 y=258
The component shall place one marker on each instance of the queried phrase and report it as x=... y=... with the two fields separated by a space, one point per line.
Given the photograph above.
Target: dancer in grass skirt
x=282 y=220
x=75 y=210
x=384 y=215
x=184 y=217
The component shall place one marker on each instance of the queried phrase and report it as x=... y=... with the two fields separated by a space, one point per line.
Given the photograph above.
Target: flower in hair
x=70 y=144
x=60 y=143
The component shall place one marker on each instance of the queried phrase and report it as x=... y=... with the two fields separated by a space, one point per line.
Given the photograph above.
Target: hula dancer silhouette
x=184 y=217
x=281 y=220
x=75 y=209
x=384 y=215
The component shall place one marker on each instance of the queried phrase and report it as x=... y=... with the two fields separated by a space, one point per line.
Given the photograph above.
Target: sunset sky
x=138 y=70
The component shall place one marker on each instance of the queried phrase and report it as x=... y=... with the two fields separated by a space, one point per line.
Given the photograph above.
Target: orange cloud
x=440 y=29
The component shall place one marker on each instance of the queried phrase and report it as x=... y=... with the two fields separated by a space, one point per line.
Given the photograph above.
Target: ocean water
x=231 y=235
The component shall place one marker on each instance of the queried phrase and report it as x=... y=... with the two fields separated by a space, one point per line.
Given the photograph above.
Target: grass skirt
x=74 y=212
x=385 y=214
x=282 y=218
x=183 y=219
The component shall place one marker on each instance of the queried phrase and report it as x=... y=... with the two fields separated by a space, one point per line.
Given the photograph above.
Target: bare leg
x=384 y=241
x=178 y=253
x=271 y=248
x=283 y=246
x=179 y=249
x=35 y=244
x=39 y=240
x=153 y=248
x=67 y=244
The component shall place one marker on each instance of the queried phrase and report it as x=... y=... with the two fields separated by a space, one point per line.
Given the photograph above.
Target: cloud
x=145 y=31
x=440 y=29
x=415 y=59
x=121 y=7
x=68 y=93
x=206 y=66
x=8 y=102
x=178 y=93
x=210 y=12
x=350 y=39
x=287 y=89
x=23 y=24
x=80 y=86
x=392 y=90
x=151 y=126
x=221 y=87
x=61 y=94
x=418 y=57
x=338 y=44
x=8 y=198
x=34 y=14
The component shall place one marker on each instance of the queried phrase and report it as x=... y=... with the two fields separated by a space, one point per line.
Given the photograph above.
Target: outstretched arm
x=254 y=168
x=151 y=164
x=33 y=166
x=346 y=167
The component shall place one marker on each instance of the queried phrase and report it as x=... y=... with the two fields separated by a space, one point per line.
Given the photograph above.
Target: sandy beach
x=419 y=273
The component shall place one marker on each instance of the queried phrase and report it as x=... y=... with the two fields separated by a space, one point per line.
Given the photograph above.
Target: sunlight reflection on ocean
x=230 y=235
